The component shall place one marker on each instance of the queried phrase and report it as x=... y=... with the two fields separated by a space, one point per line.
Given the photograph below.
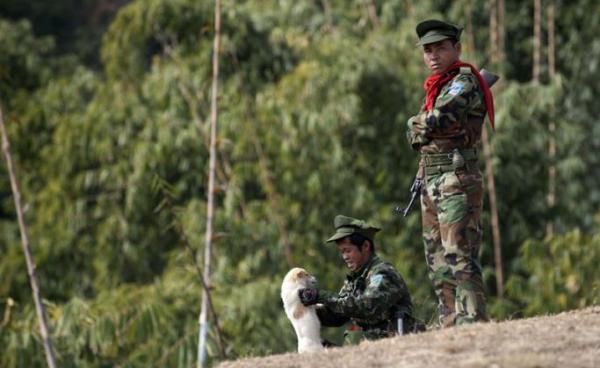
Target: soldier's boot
x=470 y=298
x=447 y=304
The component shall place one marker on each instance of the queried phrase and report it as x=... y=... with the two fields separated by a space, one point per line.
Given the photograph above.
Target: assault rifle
x=417 y=184
x=415 y=191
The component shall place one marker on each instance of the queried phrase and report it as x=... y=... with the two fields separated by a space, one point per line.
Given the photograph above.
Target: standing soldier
x=374 y=297
x=447 y=132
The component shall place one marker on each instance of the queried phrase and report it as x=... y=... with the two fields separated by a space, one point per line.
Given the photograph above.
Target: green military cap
x=432 y=30
x=346 y=226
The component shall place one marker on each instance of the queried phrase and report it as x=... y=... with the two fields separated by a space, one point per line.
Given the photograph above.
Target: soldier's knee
x=441 y=274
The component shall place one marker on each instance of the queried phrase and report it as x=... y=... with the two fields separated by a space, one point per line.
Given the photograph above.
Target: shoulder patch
x=376 y=280
x=456 y=88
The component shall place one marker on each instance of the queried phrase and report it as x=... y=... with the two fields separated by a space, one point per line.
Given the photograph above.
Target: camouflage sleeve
x=444 y=120
x=417 y=131
x=462 y=96
x=381 y=292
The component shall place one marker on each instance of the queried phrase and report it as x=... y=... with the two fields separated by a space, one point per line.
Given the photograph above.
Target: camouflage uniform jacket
x=456 y=119
x=369 y=298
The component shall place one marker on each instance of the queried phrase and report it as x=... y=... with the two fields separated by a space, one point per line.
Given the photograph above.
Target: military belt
x=438 y=163
x=436 y=170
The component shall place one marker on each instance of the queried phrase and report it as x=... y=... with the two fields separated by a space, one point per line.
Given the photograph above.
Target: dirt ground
x=570 y=339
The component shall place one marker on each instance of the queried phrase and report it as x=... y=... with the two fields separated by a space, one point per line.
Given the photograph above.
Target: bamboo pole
x=203 y=320
x=494 y=38
x=495 y=52
x=551 y=198
x=199 y=273
x=37 y=298
x=494 y=219
x=537 y=40
x=501 y=31
x=496 y=17
x=372 y=13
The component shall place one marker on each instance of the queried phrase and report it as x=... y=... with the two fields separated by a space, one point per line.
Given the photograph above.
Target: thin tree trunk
x=494 y=219
x=501 y=31
x=537 y=40
x=372 y=13
x=203 y=320
x=493 y=5
x=328 y=15
x=551 y=199
x=496 y=47
x=39 y=306
x=469 y=30
x=485 y=140
x=551 y=40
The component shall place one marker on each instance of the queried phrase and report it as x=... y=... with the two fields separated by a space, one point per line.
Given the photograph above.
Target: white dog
x=304 y=319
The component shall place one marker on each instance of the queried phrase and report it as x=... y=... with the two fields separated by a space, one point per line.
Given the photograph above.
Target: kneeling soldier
x=374 y=297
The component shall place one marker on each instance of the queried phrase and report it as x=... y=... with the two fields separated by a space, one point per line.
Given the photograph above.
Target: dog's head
x=300 y=278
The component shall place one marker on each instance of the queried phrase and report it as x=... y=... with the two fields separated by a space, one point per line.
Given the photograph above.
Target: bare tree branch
x=214 y=114
x=39 y=306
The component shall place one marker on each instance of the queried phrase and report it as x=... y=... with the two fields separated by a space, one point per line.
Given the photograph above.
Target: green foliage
x=22 y=61
x=556 y=274
x=123 y=322
x=520 y=151
x=145 y=28
x=76 y=25
x=314 y=98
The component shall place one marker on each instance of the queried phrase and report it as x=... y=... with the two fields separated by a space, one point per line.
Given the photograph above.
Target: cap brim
x=427 y=39
x=340 y=234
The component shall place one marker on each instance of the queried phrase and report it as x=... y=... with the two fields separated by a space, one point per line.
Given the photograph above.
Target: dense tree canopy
x=108 y=121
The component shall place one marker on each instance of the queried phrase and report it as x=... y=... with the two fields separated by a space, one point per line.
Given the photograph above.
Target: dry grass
x=570 y=339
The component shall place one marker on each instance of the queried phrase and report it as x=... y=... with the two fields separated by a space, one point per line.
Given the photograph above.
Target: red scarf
x=434 y=83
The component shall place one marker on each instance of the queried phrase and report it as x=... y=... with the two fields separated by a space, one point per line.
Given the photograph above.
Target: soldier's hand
x=417 y=131
x=308 y=296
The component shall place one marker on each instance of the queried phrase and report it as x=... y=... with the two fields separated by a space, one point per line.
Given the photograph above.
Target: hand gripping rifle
x=417 y=184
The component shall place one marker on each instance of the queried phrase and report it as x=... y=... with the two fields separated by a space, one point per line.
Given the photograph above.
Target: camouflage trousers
x=451 y=205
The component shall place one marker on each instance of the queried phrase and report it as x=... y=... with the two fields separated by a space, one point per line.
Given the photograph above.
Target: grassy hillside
x=570 y=339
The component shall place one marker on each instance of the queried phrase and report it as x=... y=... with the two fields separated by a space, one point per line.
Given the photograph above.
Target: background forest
x=107 y=106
